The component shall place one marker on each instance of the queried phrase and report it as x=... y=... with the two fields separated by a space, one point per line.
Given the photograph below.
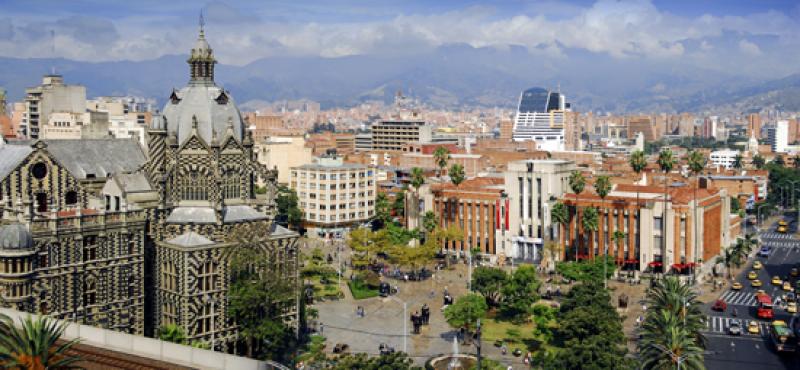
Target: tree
x=466 y=311
x=618 y=237
x=392 y=361
x=602 y=186
x=33 y=344
x=489 y=282
x=399 y=203
x=666 y=161
x=257 y=294
x=287 y=208
x=414 y=257
x=759 y=161
x=577 y=183
x=778 y=160
x=441 y=156
x=417 y=178
x=367 y=243
x=738 y=161
x=429 y=221
x=590 y=225
x=559 y=214
x=383 y=211
x=456 y=174
x=172 y=333
x=796 y=161
x=697 y=162
x=520 y=293
x=638 y=162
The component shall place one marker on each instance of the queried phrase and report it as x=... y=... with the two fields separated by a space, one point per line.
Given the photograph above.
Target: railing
x=89 y=218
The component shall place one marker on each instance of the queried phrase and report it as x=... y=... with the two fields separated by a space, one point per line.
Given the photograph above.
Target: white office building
x=540 y=118
x=724 y=158
x=779 y=137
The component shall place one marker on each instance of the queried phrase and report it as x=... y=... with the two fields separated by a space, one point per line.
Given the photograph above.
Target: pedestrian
x=321 y=328
x=504 y=349
x=426 y=313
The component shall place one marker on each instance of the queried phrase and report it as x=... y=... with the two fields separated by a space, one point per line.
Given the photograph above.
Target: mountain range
x=450 y=76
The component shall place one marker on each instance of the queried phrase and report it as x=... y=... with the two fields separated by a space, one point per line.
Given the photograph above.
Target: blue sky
x=753 y=36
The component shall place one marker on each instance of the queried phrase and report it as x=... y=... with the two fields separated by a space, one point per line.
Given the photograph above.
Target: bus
x=782 y=337
x=764 y=306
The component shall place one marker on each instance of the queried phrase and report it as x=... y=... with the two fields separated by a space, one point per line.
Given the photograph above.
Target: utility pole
x=478 y=344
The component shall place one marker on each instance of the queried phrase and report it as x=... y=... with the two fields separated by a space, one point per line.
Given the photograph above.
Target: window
x=89 y=292
x=195 y=186
x=169 y=277
x=41 y=202
x=90 y=248
x=230 y=187
x=657 y=224
x=39 y=170
x=207 y=276
x=204 y=319
x=169 y=314
x=71 y=198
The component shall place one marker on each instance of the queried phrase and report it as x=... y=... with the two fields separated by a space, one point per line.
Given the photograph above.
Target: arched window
x=230 y=185
x=207 y=276
x=169 y=277
x=71 y=198
x=89 y=292
x=195 y=186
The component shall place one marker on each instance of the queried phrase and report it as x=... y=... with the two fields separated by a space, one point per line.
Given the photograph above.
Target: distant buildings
x=540 y=117
x=778 y=137
x=724 y=158
x=643 y=125
x=51 y=96
x=283 y=153
x=394 y=134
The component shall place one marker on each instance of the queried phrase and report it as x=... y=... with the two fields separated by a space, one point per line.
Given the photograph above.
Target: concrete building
x=334 y=195
x=540 y=118
x=642 y=125
x=283 y=153
x=724 y=158
x=778 y=137
x=532 y=188
x=393 y=135
x=472 y=163
x=754 y=125
x=363 y=142
x=653 y=242
x=748 y=187
x=264 y=125
x=51 y=96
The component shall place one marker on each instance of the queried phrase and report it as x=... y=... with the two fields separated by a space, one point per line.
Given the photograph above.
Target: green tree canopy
x=172 y=333
x=465 y=311
x=759 y=161
x=489 y=282
x=429 y=221
x=456 y=174
x=287 y=209
x=33 y=344
x=417 y=178
x=520 y=293
x=383 y=210
x=441 y=156
x=362 y=361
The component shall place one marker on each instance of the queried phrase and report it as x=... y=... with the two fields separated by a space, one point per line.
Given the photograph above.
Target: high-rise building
x=754 y=125
x=641 y=124
x=395 y=134
x=540 y=118
x=51 y=96
x=778 y=136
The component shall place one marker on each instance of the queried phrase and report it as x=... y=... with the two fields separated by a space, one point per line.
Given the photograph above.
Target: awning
x=678 y=266
x=655 y=264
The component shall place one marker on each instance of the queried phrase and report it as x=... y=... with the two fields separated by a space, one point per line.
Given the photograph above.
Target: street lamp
x=758 y=216
x=405 y=321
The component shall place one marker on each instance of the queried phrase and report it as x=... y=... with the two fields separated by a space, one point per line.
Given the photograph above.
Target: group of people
x=419 y=318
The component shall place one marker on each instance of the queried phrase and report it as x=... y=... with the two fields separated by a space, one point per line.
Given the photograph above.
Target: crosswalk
x=785 y=244
x=720 y=325
x=776 y=235
x=733 y=297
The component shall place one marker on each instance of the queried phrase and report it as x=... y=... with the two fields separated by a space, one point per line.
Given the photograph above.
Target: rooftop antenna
x=53 y=50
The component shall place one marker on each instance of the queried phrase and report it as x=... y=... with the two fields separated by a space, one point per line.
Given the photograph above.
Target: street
x=750 y=351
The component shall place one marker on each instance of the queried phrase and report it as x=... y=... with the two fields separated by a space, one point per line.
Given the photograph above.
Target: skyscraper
x=540 y=117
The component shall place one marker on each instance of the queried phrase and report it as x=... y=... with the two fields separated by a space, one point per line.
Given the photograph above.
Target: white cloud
x=749 y=48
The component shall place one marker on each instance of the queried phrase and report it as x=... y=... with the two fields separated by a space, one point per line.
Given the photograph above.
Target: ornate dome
x=212 y=106
x=15 y=237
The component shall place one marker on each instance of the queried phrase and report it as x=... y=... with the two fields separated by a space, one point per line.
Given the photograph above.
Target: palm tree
x=577 y=183
x=728 y=258
x=32 y=344
x=697 y=162
x=441 y=156
x=665 y=161
x=456 y=174
x=172 y=333
x=759 y=161
x=560 y=215
x=638 y=162
x=429 y=221
x=672 y=347
x=417 y=180
x=618 y=237
x=590 y=223
x=738 y=161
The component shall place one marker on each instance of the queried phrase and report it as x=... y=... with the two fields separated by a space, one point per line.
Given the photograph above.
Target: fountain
x=454 y=361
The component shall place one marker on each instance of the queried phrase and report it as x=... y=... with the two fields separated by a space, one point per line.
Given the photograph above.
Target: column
x=492 y=226
x=676 y=244
x=689 y=238
x=621 y=226
x=631 y=235
x=571 y=231
x=473 y=224
x=601 y=241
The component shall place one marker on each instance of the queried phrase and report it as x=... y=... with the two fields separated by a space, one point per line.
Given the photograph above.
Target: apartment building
x=394 y=135
x=334 y=195
x=283 y=153
x=51 y=96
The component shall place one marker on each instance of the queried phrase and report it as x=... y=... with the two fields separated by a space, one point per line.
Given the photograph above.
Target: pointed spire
x=202 y=25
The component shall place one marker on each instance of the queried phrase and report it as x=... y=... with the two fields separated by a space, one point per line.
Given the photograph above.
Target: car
x=764 y=252
x=752 y=275
x=753 y=328
x=791 y=307
x=757 y=265
x=736 y=285
x=781 y=229
x=735 y=328
x=783 y=223
x=787 y=286
x=756 y=283
x=719 y=305
x=776 y=280
x=794 y=272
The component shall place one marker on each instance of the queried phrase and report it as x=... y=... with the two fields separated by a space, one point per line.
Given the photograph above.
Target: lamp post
x=675 y=358
x=758 y=216
x=405 y=321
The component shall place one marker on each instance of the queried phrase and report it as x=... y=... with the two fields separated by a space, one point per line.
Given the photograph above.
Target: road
x=754 y=351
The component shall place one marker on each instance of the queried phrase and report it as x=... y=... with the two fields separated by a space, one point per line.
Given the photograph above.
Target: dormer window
x=222 y=99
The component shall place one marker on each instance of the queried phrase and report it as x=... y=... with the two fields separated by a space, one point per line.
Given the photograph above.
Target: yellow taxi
x=791 y=307
x=756 y=283
x=776 y=280
x=752 y=327
x=736 y=285
x=781 y=229
x=752 y=275
x=794 y=272
x=783 y=223
x=757 y=265
x=787 y=286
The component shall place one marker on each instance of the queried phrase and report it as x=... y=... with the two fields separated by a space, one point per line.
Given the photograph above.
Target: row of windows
x=207 y=278
x=333 y=176
x=334 y=186
x=340 y=217
x=333 y=206
x=343 y=196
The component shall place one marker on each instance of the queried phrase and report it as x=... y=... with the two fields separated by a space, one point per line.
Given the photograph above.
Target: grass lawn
x=360 y=290
x=330 y=290
x=492 y=330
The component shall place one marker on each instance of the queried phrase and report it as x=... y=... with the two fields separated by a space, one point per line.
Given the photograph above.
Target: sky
x=755 y=37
